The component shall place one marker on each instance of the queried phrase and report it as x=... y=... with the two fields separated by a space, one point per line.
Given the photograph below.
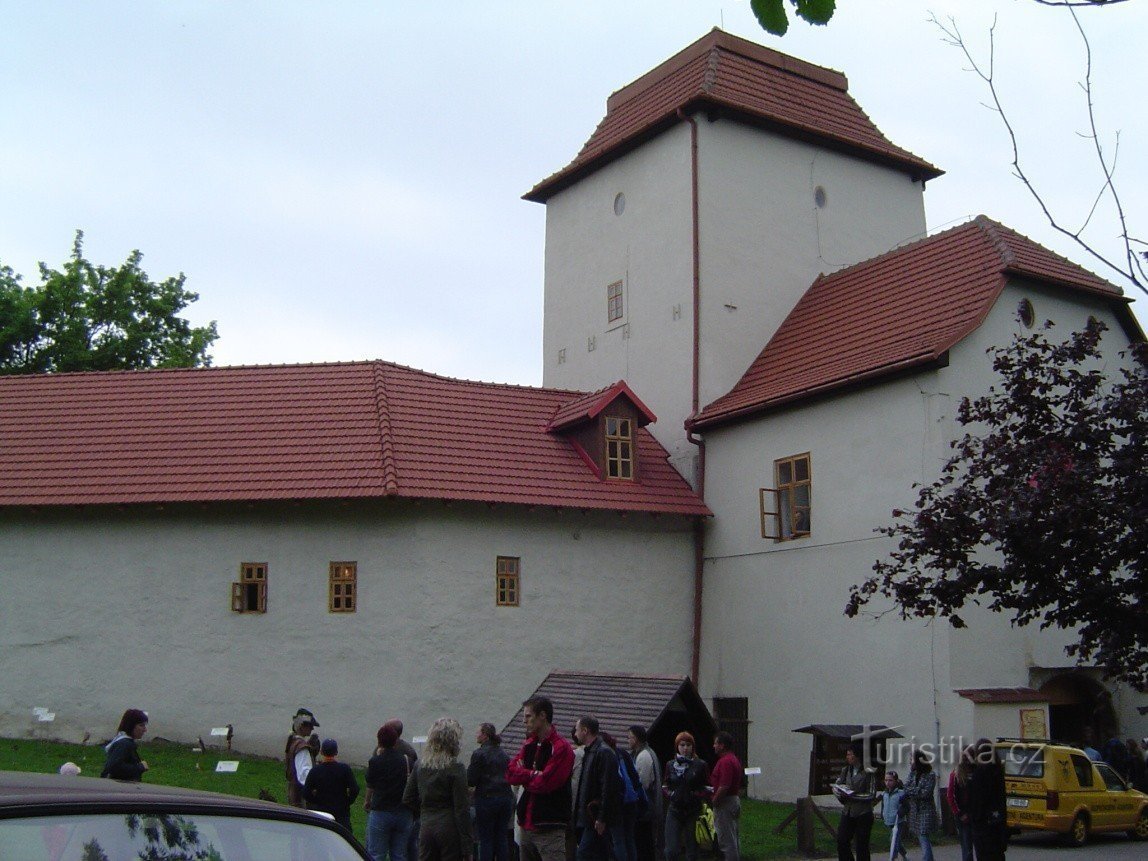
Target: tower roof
x=733 y=77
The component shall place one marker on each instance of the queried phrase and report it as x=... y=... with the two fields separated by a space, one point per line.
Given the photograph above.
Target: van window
x=1082 y=765
x=1021 y=761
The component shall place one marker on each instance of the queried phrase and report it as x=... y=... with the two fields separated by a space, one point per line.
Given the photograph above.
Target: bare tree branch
x=1132 y=267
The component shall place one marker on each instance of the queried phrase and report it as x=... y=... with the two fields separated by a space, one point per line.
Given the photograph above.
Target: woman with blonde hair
x=437 y=791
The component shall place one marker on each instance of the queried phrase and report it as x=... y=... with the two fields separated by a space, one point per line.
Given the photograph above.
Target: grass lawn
x=177 y=765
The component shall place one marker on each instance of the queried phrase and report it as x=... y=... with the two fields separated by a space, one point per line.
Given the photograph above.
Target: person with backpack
x=634 y=803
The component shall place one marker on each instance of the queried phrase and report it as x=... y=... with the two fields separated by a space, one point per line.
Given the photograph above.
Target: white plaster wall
x=649 y=246
x=773 y=628
x=104 y=610
x=764 y=241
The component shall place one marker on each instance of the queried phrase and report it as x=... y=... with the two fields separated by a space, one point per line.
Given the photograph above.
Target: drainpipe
x=699 y=524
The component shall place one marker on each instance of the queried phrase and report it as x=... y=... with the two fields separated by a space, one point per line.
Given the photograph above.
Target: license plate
x=1018 y=802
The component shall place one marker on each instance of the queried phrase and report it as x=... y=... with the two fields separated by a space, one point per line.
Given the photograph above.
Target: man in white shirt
x=650 y=774
x=299 y=757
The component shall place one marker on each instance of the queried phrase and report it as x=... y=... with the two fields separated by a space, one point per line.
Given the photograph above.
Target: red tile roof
x=295 y=432
x=745 y=81
x=901 y=310
x=589 y=406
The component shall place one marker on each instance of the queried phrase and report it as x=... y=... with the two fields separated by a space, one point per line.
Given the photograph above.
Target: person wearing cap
x=298 y=756
x=123 y=759
x=330 y=786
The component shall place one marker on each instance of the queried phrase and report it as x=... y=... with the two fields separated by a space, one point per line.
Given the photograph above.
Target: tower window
x=614 y=302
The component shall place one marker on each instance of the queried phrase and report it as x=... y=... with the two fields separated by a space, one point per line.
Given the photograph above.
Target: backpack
x=632 y=791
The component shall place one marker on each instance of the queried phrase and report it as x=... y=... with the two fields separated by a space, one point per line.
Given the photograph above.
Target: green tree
x=772 y=15
x=85 y=317
x=1040 y=512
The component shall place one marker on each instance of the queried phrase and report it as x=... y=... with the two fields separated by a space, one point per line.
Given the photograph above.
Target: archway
x=1079 y=709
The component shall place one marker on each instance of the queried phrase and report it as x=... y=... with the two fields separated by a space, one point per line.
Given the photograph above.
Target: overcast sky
x=342 y=181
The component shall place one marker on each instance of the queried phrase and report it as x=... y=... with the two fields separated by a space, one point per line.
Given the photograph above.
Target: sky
x=343 y=181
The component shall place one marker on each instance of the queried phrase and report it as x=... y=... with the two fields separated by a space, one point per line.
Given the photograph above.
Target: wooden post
x=805 y=843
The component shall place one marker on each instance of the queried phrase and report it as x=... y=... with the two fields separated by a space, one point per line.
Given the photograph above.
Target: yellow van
x=1052 y=787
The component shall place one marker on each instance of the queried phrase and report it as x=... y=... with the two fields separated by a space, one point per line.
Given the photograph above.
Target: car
x=1054 y=787
x=68 y=818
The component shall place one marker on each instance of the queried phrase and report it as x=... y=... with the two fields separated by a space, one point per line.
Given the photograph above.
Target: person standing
x=893 y=814
x=437 y=788
x=988 y=804
x=726 y=777
x=331 y=785
x=683 y=785
x=919 y=792
x=407 y=749
x=957 y=795
x=298 y=756
x=493 y=800
x=542 y=768
x=650 y=776
x=122 y=759
x=388 y=819
x=856 y=791
x=598 y=807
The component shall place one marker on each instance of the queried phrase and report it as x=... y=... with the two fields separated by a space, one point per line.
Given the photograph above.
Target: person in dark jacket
x=542 y=768
x=598 y=807
x=987 y=805
x=388 y=819
x=683 y=785
x=331 y=785
x=493 y=800
x=122 y=760
x=856 y=789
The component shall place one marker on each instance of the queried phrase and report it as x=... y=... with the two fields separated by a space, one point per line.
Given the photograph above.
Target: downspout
x=699 y=524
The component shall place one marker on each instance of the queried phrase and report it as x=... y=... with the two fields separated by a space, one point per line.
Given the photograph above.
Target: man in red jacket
x=726 y=777
x=542 y=768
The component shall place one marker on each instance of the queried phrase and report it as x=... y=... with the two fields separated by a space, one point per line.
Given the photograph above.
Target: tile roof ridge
x=712 y=63
x=991 y=229
x=386 y=440
x=903 y=247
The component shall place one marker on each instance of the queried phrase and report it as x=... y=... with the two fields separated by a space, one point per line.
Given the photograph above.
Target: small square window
x=249 y=595
x=342 y=587
x=507 y=581
x=615 y=308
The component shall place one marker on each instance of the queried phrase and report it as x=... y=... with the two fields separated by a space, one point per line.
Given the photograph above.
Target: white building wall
x=762 y=242
x=649 y=248
x=108 y=610
x=773 y=623
x=764 y=239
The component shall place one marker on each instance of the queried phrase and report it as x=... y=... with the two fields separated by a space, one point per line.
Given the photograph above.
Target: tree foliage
x=86 y=317
x=1041 y=511
x=772 y=15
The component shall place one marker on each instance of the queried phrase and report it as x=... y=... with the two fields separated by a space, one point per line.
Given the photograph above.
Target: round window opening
x=1026 y=314
x=820 y=197
x=619 y=203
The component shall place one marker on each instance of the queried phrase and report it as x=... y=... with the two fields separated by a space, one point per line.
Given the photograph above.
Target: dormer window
x=619 y=448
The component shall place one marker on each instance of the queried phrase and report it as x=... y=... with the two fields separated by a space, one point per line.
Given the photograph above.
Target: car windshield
x=171 y=836
x=1021 y=761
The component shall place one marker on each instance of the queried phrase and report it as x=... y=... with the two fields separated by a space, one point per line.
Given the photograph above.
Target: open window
x=786 y=509
x=249 y=595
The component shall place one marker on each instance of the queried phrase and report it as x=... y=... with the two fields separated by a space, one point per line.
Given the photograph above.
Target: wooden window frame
x=508 y=581
x=343 y=587
x=619 y=449
x=249 y=593
x=615 y=302
x=783 y=518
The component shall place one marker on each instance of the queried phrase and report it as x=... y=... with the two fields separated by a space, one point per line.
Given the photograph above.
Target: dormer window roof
x=602 y=426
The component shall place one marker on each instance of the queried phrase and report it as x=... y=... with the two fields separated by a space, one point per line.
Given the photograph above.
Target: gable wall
x=109 y=609
x=773 y=624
